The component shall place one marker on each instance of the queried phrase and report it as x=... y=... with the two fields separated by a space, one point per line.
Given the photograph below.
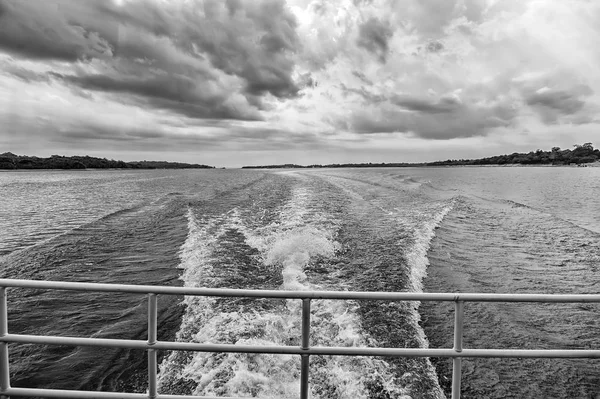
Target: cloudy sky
x=247 y=82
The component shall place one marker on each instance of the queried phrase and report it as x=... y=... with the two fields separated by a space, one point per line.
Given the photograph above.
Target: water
x=432 y=229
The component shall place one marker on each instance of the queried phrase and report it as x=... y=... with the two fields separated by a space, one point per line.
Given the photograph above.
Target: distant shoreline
x=582 y=155
x=591 y=165
x=30 y=170
x=515 y=165
x=10 y=161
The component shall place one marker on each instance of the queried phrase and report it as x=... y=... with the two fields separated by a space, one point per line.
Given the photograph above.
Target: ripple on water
x=489 y=247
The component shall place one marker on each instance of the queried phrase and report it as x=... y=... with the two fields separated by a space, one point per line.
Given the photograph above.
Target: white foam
x=303 y=235
x=418 y=262
x=294 y=249
x=299 y=237
x=424 y=232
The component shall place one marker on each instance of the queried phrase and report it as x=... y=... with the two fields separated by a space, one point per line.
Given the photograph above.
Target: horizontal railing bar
x=62 y=393
x=383 y=296
x=296 y=350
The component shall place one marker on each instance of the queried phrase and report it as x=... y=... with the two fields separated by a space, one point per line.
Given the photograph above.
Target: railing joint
x=305 y=345
x=4 y=361
x=152 y=340
x=459 y=312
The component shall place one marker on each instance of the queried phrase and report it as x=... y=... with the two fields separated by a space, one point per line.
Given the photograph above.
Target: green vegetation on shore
x=11 y=161
x=579 y=155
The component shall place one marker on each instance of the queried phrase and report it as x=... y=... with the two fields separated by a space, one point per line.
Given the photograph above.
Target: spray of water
x=300 y=237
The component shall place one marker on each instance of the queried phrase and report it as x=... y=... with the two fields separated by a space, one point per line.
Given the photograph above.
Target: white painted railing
x=304 y=350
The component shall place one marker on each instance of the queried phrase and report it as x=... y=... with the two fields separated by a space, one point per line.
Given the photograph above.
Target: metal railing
x=304 y=350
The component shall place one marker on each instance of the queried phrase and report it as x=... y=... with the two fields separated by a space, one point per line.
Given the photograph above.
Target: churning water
x=433 y=229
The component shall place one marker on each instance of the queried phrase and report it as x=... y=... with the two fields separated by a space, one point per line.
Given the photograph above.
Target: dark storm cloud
x=175 y=92
x=38 y=30
x=373 y=36
x=97 y=132
x=246 y=138
x=552 y=104
x=253 y=40
x=194 y=58
x=443 y=105
x=101 y=135
x=562 y=101
x=440 y=120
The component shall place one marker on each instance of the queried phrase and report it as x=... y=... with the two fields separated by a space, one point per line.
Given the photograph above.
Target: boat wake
x=281 y=252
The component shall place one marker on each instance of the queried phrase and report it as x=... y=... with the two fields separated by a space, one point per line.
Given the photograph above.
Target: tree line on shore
x=10 y=161
x=581 y=154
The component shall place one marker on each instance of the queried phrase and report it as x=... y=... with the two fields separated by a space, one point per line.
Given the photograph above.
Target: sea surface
x=461 y=229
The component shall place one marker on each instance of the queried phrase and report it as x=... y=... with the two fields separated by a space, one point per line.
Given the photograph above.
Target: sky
x=255 y=82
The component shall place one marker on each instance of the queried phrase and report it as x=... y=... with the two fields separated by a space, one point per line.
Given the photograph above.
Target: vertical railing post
x=152 y=335
x=305 y=361
x=4 y=372
x=459 y=310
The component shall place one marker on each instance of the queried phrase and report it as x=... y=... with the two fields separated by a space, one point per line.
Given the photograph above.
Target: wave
x=84 y=223
x=418 y=264
x=393 y=227
x=516 y=204
x=495 y=246
x=569 y=219
x=299 y=238
x=417 y=254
